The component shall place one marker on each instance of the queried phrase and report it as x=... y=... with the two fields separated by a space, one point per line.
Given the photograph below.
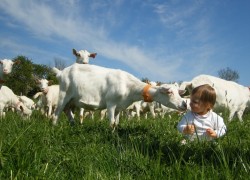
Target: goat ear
x=21 y=107
x=37 y=81
x=50 y=82
x=93 y=55
x=75 y=52
x=165 y=90
x=181 y=92
x=1 y=62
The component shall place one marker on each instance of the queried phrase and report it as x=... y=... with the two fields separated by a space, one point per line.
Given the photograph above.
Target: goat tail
x=56 y=71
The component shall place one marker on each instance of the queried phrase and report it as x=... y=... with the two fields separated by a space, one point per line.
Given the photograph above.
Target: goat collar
x=2 y=81
x=146 y=96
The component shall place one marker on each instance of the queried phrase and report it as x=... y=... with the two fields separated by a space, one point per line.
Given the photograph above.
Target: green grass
x=145 y=149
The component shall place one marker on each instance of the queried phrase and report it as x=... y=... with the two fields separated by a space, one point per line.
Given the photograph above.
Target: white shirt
x=202 y=122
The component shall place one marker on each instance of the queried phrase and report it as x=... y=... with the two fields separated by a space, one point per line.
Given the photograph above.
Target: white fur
x=229 y=94
x=93 y=87
x=29 y=103
x=9 y=99
x=51 y=94
x=5 y=67
x=82 y=56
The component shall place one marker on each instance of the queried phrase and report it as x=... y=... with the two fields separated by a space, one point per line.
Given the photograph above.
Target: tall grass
x=145 y=149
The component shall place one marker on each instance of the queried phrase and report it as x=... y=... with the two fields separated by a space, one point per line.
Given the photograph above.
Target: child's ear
x=209 y=107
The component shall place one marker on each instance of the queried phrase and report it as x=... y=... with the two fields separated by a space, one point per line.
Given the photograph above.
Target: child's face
x=197 y=106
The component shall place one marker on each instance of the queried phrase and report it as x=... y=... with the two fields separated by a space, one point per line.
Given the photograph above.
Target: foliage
x=145 y=149
x=229 y=74
x=22 y=79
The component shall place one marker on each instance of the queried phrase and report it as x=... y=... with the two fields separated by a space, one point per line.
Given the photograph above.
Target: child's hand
x=189 y=129
x=211 y=133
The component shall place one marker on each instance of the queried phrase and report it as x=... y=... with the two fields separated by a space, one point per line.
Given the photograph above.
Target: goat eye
x=170 y=93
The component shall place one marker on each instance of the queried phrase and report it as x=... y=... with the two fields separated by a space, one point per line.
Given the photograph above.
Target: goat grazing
x=94 y=87
x=9 y=99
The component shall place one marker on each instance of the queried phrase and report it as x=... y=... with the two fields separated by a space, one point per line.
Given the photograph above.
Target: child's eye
x=195 y=101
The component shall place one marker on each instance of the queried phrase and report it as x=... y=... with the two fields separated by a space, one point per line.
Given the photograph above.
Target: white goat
x=82 y=56
x=41 y=102
x=48 y=99
x=9 y=99
x=229 y=94
x=93 y=87
x=51 y=95
x=29 y=103
x=140 y=107
x=6 y=68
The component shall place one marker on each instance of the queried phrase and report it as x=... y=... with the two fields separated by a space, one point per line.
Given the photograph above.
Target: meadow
x=145 y=149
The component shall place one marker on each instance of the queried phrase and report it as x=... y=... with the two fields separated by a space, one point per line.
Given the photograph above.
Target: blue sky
x=163 y=40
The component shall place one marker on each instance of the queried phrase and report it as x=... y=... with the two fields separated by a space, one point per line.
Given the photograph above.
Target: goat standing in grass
x=94 y=87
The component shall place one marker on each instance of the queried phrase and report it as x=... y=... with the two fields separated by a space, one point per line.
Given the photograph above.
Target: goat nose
x=5 y=71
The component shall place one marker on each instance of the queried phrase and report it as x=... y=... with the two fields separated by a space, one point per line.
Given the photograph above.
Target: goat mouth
x=45 y=91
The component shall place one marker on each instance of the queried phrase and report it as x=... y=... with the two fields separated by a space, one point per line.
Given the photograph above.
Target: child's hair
x=205 y=93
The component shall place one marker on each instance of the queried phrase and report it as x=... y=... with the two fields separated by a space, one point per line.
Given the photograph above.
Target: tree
x=59 y=63
x=19 y=79
x=229 y=74
x=22 y=78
